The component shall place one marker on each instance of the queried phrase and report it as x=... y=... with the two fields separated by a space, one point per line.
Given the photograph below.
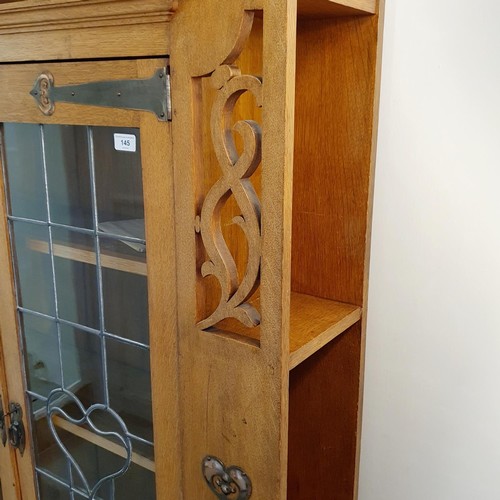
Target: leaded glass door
x=89 y=321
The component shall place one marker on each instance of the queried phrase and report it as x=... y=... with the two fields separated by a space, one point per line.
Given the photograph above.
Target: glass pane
x=81 y=279
x=137 y=483
x=48 y=455
x=76 y=277
x=34 y=269
x=66 y=152
x=82 y=365
x=43 y=363
x=129 y=386
x=24 y=165
x=51 y=490
x=95 y=463
x=118 y=180
x=126 y=304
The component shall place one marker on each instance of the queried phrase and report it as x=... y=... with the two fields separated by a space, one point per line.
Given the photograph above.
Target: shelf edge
x=331 y=8
x=103 y=443
x=321 y=340
x=89 y=257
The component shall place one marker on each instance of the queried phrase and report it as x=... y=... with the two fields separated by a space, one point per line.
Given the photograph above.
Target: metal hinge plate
x=15 y=432
x=152 y=94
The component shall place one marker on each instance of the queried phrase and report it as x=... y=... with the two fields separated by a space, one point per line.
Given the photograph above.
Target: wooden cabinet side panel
x=336 y=124
x=375 y=118
x=234 y=393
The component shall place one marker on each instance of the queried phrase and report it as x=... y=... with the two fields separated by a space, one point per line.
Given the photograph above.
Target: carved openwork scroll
x=237 y=168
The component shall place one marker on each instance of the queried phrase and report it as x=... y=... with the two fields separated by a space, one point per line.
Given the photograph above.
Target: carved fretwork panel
x=228 y=221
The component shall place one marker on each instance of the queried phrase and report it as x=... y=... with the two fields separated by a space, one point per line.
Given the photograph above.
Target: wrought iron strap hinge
x=152 y=94
x=15 y=431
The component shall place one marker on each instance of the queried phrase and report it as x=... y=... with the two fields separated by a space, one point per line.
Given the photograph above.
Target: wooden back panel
x=336 y=61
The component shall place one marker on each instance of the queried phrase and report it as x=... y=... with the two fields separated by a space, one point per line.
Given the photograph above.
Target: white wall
x=432 y=402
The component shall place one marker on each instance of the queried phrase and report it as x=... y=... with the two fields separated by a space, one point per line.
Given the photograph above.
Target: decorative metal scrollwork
x=226 y=483
x=42 y=93
x=122 y=437
x=150 y=94
x=235 y=181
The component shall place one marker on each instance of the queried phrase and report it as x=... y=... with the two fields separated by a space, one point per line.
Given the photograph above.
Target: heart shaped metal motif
x=226 y=483
x=122 y=437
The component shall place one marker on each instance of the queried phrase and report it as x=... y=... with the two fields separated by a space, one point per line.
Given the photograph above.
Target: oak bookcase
x=257 y=201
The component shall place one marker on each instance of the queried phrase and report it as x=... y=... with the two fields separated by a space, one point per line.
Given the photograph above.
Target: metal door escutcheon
x=226 y=483
x=17 y=436
x=15 y=431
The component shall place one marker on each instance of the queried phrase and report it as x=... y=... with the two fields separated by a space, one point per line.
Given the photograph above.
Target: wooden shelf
x=102 y=442
x=313 y=323
x=329 y=8
x=80 y=254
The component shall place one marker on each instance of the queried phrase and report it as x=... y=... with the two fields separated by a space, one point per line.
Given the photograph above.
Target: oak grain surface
x=330 y=8
x=334 y=157
x=250 y=63
x=376 y=107
x=12 y=364
x=234 y=403
x=324 y=392
x=313 y=323
x=216 y=394
x=157 y=178
x=31 y=30
x=334 y=123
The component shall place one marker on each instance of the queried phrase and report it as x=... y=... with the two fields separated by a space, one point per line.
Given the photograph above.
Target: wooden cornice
x=51 y=15
x=49 y=30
